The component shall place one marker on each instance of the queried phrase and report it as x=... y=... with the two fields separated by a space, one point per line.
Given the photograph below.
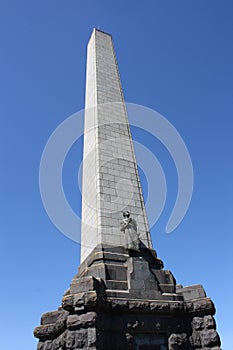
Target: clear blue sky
x=175 y=57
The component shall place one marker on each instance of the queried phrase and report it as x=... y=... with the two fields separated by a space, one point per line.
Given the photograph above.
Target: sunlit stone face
x=111 y=182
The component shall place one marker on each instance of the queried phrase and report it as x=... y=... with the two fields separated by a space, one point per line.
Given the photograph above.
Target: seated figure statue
x=129 y=227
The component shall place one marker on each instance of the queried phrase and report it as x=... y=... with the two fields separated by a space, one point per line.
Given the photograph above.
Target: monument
x=121 y=298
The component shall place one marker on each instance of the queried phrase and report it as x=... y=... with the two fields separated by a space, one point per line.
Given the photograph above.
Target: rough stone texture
x=209 y=338
x=204 y=334
x=209 y=322
x=81 y=321
x=93 y=316
x=178 y=341
x=197 y=323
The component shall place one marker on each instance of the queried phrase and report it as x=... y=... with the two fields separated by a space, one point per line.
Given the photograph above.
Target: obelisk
x=121 y=297
x=111 y=182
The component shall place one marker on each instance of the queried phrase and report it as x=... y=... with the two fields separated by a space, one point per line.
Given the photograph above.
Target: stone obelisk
x=121 y=298
x=110 y=176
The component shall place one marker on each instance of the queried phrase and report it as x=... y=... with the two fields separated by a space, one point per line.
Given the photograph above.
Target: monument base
x=124 y=299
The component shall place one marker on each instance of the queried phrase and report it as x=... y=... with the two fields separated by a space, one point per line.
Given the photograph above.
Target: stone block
x=57 y=343
x=164 y=276
x=210 y=338
x=70 y=340
x=78 y=299
x=204 y=306
x=178 y=341
x=50 y=317
x=81 y=338
x=116 y=272
x=209 y=322
x=197 y=323
x=67 y=302
x=81 y=321
x=98 y=270
x=45 y=332
x=90 y=299
x=50 y=331
x=91 y=341
x=201 y=307
x=167 y=288
x=192 y=292
x=60 y=324
x=195 y=339
x=83 y=284
x=47 y=345
x=117 y=285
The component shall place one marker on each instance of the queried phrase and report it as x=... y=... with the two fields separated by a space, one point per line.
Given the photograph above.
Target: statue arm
x=123 y=226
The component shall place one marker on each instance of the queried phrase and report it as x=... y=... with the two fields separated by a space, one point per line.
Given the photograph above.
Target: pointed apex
x=101 y=31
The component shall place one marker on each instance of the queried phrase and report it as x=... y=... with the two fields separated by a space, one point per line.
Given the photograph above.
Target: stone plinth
x=125 y=300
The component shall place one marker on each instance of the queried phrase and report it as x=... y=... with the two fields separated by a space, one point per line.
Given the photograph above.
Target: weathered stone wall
x=159 y=312
x=116 y=324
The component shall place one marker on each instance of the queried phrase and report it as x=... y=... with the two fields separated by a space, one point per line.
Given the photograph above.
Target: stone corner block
x=210 y=338
x=192 y=292
x=84 y=284
x=50 y=317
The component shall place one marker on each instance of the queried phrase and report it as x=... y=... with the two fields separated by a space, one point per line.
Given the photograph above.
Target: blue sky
x=174 y=57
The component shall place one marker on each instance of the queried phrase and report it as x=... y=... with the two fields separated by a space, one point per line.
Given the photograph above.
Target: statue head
x=126 y=214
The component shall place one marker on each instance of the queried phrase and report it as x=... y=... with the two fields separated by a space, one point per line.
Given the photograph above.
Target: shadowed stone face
x=197 y=323
x=70 y=340
x=209 y=322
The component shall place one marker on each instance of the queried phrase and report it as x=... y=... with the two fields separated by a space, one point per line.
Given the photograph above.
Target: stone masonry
x=110 y=176
x=122 y=297
x=126 y=300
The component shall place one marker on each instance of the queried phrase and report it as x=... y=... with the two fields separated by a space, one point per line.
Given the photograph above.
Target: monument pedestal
x=125 y=300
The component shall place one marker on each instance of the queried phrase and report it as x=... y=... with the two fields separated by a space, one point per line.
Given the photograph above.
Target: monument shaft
x=111 y=182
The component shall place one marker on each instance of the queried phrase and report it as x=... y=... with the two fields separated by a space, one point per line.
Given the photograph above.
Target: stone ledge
x=45 y=332
x=51 y=331
x=83 y=284
x=81 y=321
x=79 y=300
x=51 y=317
x=204 y=306
x=151 y=306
